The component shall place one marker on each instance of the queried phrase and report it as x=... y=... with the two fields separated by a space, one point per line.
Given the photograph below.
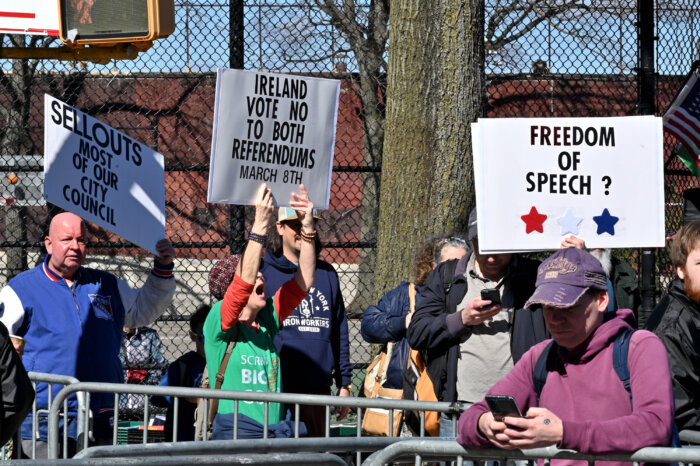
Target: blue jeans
x=446 y=425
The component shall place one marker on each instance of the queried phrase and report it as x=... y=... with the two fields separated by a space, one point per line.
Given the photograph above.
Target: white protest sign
x=539 y=179
x=272 y=128
x=103 y=175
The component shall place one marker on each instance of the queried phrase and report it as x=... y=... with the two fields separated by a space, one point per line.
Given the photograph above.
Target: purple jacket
x=589 y=397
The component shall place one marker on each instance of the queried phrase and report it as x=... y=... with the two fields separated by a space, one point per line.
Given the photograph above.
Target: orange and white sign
x=29 y=17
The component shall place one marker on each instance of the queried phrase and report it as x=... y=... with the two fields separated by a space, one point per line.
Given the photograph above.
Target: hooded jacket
x=313 y=341
x=586 y=393
x=676 y=321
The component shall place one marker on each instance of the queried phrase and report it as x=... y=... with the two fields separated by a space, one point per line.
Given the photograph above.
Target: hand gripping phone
x=502 y=406
x=492 y=294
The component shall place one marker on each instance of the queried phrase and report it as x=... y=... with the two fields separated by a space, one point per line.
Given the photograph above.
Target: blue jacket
x=386 y=322
x=77 y=331
x=313 y=342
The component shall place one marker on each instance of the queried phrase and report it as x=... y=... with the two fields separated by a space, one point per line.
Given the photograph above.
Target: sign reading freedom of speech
x=272 y=128
x=103 y=175
x=600 y=179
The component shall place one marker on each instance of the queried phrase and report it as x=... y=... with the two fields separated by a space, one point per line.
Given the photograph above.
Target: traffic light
x=110 y=22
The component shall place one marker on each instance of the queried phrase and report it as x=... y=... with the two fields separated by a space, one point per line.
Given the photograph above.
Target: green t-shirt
x=253 y=365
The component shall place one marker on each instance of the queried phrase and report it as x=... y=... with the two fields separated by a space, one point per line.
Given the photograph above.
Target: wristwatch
x=347 y=387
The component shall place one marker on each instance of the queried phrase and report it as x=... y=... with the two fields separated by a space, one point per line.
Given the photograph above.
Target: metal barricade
x=81 y=415
x=449 y=450
x=288 y=399
x=691 y=437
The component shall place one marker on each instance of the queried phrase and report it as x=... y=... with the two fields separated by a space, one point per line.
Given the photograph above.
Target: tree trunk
x=435 y=88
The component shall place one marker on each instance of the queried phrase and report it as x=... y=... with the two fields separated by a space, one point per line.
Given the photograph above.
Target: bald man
x=67 y=319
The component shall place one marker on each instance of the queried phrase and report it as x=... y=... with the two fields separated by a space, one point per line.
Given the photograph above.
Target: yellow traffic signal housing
x=110 y=22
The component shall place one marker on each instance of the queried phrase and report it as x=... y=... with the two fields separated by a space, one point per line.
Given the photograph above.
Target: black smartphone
x=502 y=405
x=492 y=294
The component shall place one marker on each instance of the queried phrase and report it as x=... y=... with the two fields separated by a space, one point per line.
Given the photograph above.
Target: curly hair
x=430 y=254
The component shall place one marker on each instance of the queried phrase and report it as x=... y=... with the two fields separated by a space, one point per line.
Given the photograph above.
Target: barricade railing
x=421 y=450
x=81 y=415
x=289 y=399
x=338 y=445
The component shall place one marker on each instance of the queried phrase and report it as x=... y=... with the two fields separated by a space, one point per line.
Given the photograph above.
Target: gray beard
x=604 y=256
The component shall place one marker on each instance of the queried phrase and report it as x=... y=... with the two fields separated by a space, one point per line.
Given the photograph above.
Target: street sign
x=29 y=17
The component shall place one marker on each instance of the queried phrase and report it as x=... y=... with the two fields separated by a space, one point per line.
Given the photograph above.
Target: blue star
x=569 y=223
x=606 y=222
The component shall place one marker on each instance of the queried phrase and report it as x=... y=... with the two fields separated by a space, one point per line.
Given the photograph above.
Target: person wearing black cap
x=571 y=389
x=470 y=341
x=676 y=318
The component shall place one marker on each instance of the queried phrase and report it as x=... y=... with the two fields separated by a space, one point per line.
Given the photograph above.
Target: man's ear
x=680 y=271
x=47 y=244
x=603 y=299
x=193 y=337
x=279 y=228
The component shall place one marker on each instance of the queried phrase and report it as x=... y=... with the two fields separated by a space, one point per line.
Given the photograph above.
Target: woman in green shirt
x=248 y=320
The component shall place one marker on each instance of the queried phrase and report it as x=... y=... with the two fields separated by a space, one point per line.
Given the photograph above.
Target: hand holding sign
x=264 y=210
x=304 y=208
x=165 y=253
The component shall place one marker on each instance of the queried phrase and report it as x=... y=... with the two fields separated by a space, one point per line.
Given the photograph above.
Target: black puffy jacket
x=17 y=390
x=428 y=331
x=676 y=321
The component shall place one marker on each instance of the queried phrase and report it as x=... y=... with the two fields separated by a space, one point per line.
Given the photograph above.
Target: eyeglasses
x=451 y=239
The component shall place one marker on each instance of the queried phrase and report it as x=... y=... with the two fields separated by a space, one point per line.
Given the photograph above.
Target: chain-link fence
x=543 y=58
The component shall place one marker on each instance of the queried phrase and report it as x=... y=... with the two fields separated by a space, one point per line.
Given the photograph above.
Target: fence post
x=236 y=62
x=647 y=106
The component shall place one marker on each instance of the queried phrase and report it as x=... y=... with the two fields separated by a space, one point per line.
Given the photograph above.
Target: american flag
x=682 y=119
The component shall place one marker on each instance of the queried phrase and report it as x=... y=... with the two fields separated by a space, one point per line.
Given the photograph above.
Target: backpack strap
x=214 y=405
x=412 y=297
x=539 y=373
x=620 y=351
x=448 y=275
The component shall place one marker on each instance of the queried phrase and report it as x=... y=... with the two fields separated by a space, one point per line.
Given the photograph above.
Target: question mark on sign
x=607 y=182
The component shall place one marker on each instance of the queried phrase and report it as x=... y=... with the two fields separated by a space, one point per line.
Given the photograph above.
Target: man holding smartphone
x=473 y=333
x=582 y=403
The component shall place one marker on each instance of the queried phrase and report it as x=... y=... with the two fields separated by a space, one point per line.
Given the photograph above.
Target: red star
x=533 y=221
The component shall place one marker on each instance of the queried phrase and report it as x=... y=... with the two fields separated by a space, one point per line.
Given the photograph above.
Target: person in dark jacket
x=313 y=342
x=676 y=321
x=17 y=390
x=468 y=342
x=389 y=319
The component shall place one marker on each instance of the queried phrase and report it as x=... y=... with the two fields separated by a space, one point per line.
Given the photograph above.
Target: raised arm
x=307 y=252
x=264 y=210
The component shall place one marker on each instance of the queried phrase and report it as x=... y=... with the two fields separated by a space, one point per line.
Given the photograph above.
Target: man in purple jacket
x=583 y=404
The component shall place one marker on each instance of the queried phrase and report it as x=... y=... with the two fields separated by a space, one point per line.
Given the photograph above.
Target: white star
x=569 y=222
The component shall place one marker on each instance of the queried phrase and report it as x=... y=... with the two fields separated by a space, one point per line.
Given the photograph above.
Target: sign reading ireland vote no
x=103 y=175
x=600 y=179
x=272 y=128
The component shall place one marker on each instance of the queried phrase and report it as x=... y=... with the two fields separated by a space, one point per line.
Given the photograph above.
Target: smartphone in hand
x=491 y=294
x=502 y=406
